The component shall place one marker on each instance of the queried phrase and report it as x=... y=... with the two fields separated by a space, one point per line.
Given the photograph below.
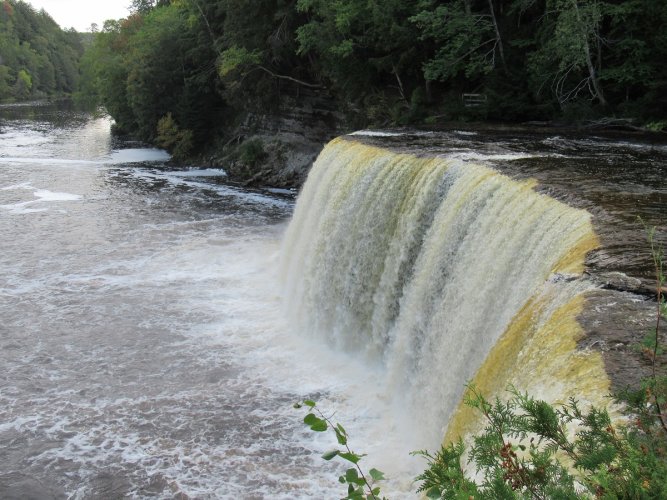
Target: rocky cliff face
x=278 y=148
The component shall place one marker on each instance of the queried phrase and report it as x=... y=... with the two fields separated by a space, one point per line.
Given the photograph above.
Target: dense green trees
x=152 y=64
x=207 y=62
x=37 y=58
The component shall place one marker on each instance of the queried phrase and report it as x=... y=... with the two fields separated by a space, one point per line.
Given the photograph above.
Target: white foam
x=281 y=191
x=22 y=185
x=474 y=156
x=18 y=209
x=48 y=161
x=595 y=144
x=138 y=155
x=208 y=172
x=377 y=133
x=249 y=197
x=46 y=195
x=42 y=195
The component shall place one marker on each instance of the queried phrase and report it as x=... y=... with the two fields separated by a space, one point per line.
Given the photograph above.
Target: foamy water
x=144 y=349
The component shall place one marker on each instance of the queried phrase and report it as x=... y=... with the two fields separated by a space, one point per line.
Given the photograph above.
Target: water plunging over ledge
x=423 y=264
x=144 y=344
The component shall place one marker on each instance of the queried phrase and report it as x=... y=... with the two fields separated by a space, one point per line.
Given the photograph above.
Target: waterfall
x=440 y=272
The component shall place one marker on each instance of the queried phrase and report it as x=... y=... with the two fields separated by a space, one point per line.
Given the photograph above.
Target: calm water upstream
x=142 y=347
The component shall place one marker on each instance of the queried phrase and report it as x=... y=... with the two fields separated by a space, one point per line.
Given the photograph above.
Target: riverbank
x=278 y=150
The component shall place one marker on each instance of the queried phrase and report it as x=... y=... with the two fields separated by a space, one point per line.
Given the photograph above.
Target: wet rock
x=618 y=281
x=615 y=323
x=291 y=137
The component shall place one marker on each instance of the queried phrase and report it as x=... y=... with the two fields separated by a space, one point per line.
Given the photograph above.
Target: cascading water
x=144 y=349
x=425 y=264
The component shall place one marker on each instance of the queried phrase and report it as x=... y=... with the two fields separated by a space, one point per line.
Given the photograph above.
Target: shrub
x=170 y=137
x=252 y=152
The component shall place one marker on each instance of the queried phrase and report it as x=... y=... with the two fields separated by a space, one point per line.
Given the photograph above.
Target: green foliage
x=657 y=126
x=156 y=62
x=37 y=58
x=445 y=474
x=361 y=48
x=360 y=485
x=396 y=62
x=252 y=152
x=178 y=142
x=565 y=59
x=465 y=40
x=235 y=57
x=23 y=85
x=531 y=449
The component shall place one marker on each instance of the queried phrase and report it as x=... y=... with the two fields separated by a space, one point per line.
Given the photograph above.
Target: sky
x=80 y=14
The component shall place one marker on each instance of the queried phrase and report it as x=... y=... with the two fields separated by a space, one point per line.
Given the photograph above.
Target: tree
x=145 y=6
x=31 y=41
x=150 y=65
x=365 y=50
x=23 y=84
x=466 y=39
x=568 y=56
x=5 y=82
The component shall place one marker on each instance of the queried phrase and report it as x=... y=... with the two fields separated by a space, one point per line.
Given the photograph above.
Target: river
x=158 y=322
x=143 y=348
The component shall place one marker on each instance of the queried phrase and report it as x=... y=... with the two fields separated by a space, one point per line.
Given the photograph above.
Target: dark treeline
x=205 y=62
x=37 y=58
x=199 y=65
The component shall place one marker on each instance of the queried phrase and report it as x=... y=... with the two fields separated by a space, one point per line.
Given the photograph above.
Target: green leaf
x=357 y=494
x=341 y=479
x=235 y=57
x=330 y=454
x=316 y=424
x=310 y=419
x=320 y=426
x=297 y=405
x=376 y=474
x=350 y=457
x=309 y=403
x=351 y=475
x=342 y=439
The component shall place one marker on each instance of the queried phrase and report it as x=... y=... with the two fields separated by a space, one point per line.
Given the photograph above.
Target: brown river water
x=144 y=349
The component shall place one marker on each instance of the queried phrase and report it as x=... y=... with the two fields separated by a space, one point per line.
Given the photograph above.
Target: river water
x=144 y=349
x=619 y=177
x=142 y=343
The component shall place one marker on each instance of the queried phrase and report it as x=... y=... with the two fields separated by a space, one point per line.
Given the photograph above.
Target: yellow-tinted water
x=440 y=272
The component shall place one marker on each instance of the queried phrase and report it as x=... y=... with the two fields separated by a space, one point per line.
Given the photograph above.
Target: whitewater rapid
x=143 y=342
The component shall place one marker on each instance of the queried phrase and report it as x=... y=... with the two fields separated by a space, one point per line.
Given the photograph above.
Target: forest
x=37 y=58
x=205 y=63
x=184 y=73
